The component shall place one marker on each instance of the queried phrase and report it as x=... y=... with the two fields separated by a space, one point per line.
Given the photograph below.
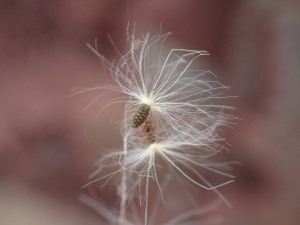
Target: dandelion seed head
x=180 y=123
x=179 y=94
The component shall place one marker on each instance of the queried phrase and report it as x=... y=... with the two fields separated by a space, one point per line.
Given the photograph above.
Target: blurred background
x=45 y=157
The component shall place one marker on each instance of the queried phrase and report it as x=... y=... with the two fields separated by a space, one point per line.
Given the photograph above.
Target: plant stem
x=123 y=189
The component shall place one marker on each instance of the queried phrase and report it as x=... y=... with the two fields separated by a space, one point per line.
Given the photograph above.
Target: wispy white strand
x=195 y=212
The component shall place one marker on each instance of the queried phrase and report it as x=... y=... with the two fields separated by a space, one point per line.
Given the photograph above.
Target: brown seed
x=140 y=115
x=148 y=131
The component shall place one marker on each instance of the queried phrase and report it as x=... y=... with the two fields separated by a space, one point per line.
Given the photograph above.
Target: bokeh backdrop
x=45 y=156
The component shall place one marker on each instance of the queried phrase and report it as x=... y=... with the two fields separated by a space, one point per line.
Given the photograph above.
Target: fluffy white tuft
x=184 y=121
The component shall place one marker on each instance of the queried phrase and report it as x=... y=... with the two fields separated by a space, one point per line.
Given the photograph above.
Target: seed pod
x=140 y=115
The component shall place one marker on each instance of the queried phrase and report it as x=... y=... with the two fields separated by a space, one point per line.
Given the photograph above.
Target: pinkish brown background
x=45 y=157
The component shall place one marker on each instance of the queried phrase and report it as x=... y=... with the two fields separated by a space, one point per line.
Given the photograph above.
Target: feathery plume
x=169 y=113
